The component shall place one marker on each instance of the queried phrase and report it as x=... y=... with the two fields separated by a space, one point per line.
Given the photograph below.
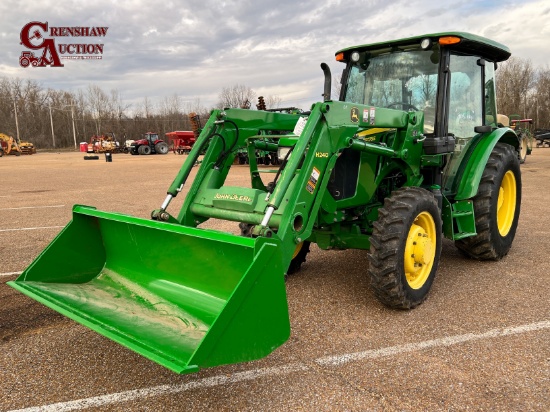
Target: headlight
x=425 y=44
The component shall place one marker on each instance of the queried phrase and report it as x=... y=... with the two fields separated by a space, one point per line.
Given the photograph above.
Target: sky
x=193 y=49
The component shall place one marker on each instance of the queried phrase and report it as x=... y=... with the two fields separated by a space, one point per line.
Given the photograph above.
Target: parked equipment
x=148 y=144
x=542 y=136
x=410 y=152
x=523 y=127
x=181 y=141
x=105 y=143
x=10 y=145
x=27 y=148
x=127 y=145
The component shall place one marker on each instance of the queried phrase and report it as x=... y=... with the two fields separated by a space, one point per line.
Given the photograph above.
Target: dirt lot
x=479 y=342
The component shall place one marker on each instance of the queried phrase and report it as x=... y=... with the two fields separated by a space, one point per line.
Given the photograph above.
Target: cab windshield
x=397 y=79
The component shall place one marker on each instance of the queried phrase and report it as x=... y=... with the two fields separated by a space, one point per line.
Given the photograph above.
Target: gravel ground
x=479 y=342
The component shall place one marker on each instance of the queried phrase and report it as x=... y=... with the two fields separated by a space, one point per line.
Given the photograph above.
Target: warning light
x=446 y=41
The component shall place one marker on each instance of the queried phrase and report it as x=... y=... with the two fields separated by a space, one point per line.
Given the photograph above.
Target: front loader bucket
x=186 y=298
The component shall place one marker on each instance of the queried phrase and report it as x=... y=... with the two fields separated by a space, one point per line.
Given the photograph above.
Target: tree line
x=524 y=90
x=61 y=119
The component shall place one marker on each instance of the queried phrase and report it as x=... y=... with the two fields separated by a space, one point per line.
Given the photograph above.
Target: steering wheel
x=405 y=106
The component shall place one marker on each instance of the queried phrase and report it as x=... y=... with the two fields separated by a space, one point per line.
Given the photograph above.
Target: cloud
x=194 y=48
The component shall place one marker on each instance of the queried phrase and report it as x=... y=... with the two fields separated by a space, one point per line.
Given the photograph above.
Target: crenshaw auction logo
x=36 y=36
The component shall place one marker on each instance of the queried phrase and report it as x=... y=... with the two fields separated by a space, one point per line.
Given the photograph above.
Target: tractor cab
x=148 y=139
x=438 y=77
x=395 y=79
x=151 y=137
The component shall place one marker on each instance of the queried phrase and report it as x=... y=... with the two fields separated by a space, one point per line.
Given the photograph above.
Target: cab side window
x=465 y=106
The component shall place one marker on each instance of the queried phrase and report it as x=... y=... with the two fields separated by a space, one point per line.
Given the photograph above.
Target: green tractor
x=409 y=153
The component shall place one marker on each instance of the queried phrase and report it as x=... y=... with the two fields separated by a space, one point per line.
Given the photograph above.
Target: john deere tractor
x=409 y=153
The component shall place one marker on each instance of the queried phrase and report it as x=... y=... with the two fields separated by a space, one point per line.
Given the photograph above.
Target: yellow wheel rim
x=420 y=250
x=506 y=206
x=297 y=250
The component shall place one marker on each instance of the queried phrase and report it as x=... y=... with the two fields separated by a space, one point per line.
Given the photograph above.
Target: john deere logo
x=238 y=198
x=355 y=115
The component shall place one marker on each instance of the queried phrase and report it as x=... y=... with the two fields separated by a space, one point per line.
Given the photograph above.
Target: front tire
x=299 y=257
x=144 y=150
x=496 y=207
x=405 y=248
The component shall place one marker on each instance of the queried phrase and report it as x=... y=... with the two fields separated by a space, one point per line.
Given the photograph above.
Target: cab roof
x=469 y=44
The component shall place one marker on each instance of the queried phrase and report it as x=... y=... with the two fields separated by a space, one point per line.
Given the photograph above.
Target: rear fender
x=470 y=176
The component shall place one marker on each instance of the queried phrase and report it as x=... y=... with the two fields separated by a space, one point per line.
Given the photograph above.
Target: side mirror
x=483 y=129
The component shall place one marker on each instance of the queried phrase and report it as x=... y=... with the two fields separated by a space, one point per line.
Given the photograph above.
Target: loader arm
x=296 y=194
x=290 y=211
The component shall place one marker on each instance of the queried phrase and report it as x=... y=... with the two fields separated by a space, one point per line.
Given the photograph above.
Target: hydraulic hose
x=225 y=153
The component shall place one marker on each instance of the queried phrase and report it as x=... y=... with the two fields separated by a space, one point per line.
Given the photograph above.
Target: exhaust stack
x=328 y=82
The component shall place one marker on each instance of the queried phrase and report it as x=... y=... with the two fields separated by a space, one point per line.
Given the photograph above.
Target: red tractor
x=149 y=144
x=182 y=141
x=27 y=58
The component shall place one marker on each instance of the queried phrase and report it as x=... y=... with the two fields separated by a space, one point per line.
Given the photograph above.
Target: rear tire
x=523 y=150
x=496 y=207
x=405 y=248
x=161 y=148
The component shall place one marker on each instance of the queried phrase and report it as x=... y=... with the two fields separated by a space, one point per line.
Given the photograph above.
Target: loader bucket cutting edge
x=183 y=297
